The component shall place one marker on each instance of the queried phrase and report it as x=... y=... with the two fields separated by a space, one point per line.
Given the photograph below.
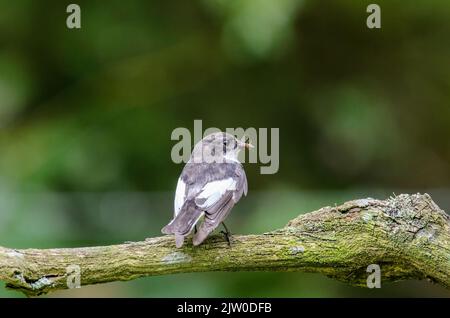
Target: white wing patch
x=214 y=190
x=199 y=217
x=180 y=195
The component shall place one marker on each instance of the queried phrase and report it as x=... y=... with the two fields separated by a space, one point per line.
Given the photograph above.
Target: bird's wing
x=213 y=217
x=213 y=192
x=180 y=196
x=242 y=186
x=217 y=198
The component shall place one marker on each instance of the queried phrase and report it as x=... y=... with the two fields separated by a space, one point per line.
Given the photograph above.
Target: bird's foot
x=227 y=236
x=226 y=233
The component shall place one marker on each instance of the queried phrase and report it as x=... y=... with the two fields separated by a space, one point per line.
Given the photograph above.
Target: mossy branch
x=408 y=236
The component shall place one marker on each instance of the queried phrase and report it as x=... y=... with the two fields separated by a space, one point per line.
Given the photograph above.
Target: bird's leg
x=195 y=229
x=226 y=233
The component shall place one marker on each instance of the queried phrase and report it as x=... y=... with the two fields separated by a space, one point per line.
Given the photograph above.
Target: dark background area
x=86 y=118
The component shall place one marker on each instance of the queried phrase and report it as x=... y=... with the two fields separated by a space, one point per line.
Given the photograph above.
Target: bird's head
x=219 y=147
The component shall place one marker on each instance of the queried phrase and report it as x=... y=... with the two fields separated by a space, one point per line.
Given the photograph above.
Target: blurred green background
x=86 y=117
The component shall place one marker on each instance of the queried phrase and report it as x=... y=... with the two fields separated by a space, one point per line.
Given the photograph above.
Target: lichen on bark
x=408 y=236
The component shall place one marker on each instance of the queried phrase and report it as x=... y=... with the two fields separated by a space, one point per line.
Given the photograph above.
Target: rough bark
x=408 y=236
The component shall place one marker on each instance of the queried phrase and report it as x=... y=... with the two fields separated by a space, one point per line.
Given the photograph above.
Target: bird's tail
x=184 y=222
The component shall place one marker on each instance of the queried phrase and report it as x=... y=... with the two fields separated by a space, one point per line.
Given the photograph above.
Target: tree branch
x=408 y=236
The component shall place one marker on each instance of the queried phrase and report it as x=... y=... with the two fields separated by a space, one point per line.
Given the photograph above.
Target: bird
x=211 y=183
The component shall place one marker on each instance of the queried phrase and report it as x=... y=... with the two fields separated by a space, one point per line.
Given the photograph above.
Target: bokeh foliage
x=86 y=117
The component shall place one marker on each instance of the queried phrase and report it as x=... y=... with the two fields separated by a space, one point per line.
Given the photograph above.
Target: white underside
x=180 y=195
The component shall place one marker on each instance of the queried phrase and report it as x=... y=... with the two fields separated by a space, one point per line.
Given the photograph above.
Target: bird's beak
x=244 y=144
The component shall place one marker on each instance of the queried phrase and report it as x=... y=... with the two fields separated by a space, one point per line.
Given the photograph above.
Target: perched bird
x=211 y=183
